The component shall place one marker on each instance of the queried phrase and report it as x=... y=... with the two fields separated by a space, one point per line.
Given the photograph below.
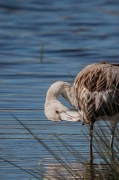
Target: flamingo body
x=96 y=90
x=95 y=96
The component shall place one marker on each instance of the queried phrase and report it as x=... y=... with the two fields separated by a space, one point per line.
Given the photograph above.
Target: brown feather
x=96 y=89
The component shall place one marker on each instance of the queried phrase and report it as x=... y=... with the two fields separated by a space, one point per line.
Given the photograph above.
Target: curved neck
x=61 y=88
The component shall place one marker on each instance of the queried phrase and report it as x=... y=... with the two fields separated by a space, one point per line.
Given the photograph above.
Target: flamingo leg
x=112 y=139
x=90 y=144
x=91 y=152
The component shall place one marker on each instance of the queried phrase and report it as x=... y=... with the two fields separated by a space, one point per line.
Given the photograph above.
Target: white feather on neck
x=52 y=104
x=61 y=88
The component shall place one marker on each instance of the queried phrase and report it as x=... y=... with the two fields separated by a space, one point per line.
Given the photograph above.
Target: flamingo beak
x=72 y=116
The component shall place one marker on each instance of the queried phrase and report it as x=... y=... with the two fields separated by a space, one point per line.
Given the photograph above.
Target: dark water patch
x=22 y=76
x=10 y=6
x=89 y=24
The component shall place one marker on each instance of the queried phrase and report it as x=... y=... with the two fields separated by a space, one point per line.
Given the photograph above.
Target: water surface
x=73 y=34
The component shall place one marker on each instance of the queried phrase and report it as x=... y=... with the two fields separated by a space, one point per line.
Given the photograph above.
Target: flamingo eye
x=57 y=112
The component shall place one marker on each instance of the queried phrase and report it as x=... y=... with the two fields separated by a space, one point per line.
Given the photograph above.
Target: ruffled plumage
x=96 y=90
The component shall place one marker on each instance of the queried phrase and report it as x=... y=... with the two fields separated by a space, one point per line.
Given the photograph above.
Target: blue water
x=73 y=34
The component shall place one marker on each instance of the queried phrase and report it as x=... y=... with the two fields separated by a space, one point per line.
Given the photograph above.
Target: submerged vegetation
x=64 y=169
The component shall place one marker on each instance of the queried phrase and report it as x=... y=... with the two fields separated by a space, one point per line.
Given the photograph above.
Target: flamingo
x=93 y=94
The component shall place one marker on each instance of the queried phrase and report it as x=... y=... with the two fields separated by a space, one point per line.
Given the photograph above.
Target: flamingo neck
x=61 y=88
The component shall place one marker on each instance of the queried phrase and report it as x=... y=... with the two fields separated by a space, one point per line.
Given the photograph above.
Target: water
x=73 y=34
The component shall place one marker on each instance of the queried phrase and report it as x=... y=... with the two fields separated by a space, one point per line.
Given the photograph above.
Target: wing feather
x=96 y=89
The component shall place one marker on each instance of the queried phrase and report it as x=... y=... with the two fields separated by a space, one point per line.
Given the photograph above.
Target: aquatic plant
x=108 y=169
